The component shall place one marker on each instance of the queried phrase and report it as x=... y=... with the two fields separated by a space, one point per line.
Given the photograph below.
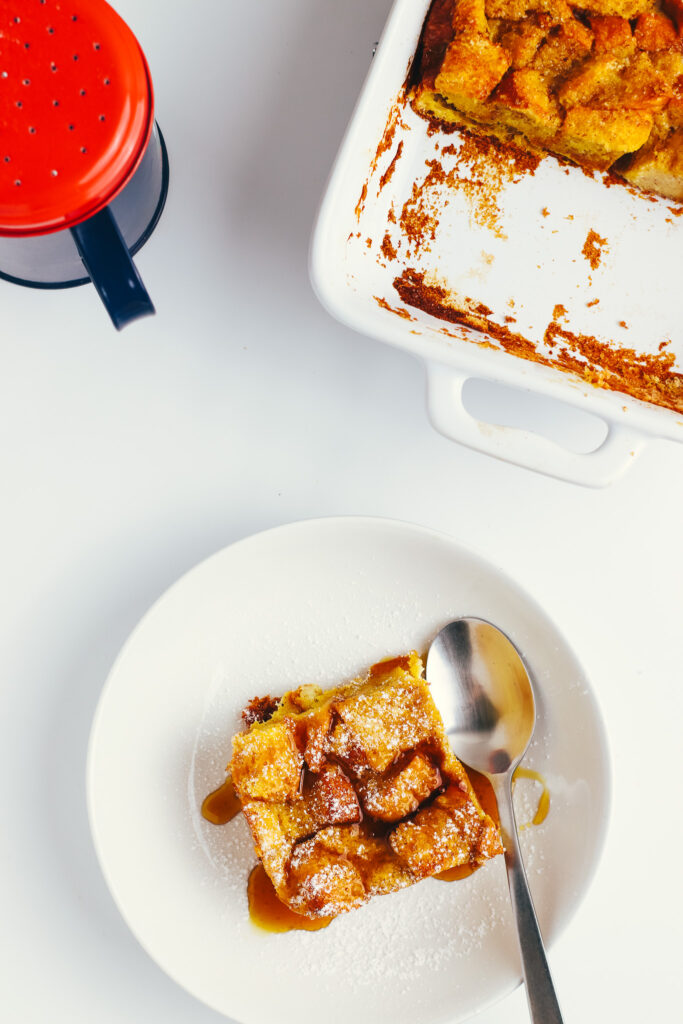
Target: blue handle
x=111 y=268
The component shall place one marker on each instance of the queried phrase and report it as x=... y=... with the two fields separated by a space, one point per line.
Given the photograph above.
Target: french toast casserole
x=354 y=792
x=597 y=82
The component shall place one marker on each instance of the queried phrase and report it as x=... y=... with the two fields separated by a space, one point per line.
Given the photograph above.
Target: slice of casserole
x=599 y=82
x=355 y=791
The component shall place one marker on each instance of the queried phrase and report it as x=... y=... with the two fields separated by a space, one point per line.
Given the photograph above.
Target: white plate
x=319 y=601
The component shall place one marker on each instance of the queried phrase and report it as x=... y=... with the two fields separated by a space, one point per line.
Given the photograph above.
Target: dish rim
x=382 y=87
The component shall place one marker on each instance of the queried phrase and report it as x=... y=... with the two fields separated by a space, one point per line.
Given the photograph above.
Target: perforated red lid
x=76 y=111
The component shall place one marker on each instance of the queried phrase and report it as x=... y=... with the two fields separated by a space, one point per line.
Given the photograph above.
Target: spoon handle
x=540 y=991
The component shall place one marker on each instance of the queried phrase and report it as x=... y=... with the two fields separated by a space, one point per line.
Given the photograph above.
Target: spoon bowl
x=483 y=690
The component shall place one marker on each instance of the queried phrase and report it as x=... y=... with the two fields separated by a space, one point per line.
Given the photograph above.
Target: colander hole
x=26 y=81
x=32 y=130
x=75 y=56
x=55 y=103
x=51 y=31
x=17 y=181
x=107 y=81
x=102 y=117
x=53 y=66
x=84 y=149
x=27 y=46
x=19 y=104
x=71 y=127
x=5 y=74
x=54 y=173
x=74 y=17
x=7 y=159
x=82 y=92
x=96 y=46
x=17 y=19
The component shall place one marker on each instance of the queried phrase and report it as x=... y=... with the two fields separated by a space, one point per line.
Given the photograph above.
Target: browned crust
x=650 y=378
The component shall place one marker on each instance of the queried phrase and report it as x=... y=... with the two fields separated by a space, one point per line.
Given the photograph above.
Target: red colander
x=76 y=111
x=76 y=116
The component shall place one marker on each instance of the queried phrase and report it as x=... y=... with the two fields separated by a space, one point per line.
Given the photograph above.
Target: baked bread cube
x=659 y=168
x=355 y=792
x=592 y=81
x=598 y=137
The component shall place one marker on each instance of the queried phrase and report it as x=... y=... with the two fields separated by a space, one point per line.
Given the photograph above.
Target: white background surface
x=126 y=459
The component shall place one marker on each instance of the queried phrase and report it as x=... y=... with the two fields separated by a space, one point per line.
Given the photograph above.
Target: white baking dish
x=533 y=258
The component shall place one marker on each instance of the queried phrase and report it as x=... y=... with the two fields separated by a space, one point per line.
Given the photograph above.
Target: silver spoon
x=483 y=691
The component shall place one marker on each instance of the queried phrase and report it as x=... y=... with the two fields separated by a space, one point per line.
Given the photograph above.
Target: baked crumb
x=593 y=248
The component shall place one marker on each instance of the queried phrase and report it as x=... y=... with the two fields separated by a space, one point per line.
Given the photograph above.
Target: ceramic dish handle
x=524 y=448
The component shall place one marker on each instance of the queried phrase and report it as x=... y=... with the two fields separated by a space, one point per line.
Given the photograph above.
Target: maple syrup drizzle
x=222 y=805
x=267 y=911
x=543 y=801
x=456 y=873
x=484 y=792
x=487 y=798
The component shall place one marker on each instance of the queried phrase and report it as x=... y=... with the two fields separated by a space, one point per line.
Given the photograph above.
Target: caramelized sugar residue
x=360 y=205
x=483 y=169
x=222 y=805
x=268 y=912
x=403 y=313
x=593 y=248
x=388 y=249
x=394 y=119
x=491 y=167
x=644 y=375
x=435 y=300
x=648 y=377
x=389 y=173
x=420 y=215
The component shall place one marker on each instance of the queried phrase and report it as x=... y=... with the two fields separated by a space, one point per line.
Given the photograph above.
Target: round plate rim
x=333 y=521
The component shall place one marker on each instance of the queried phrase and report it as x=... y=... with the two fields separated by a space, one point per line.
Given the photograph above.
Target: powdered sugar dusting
x=318 y=602
x=326 y=602
x=407 y=936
